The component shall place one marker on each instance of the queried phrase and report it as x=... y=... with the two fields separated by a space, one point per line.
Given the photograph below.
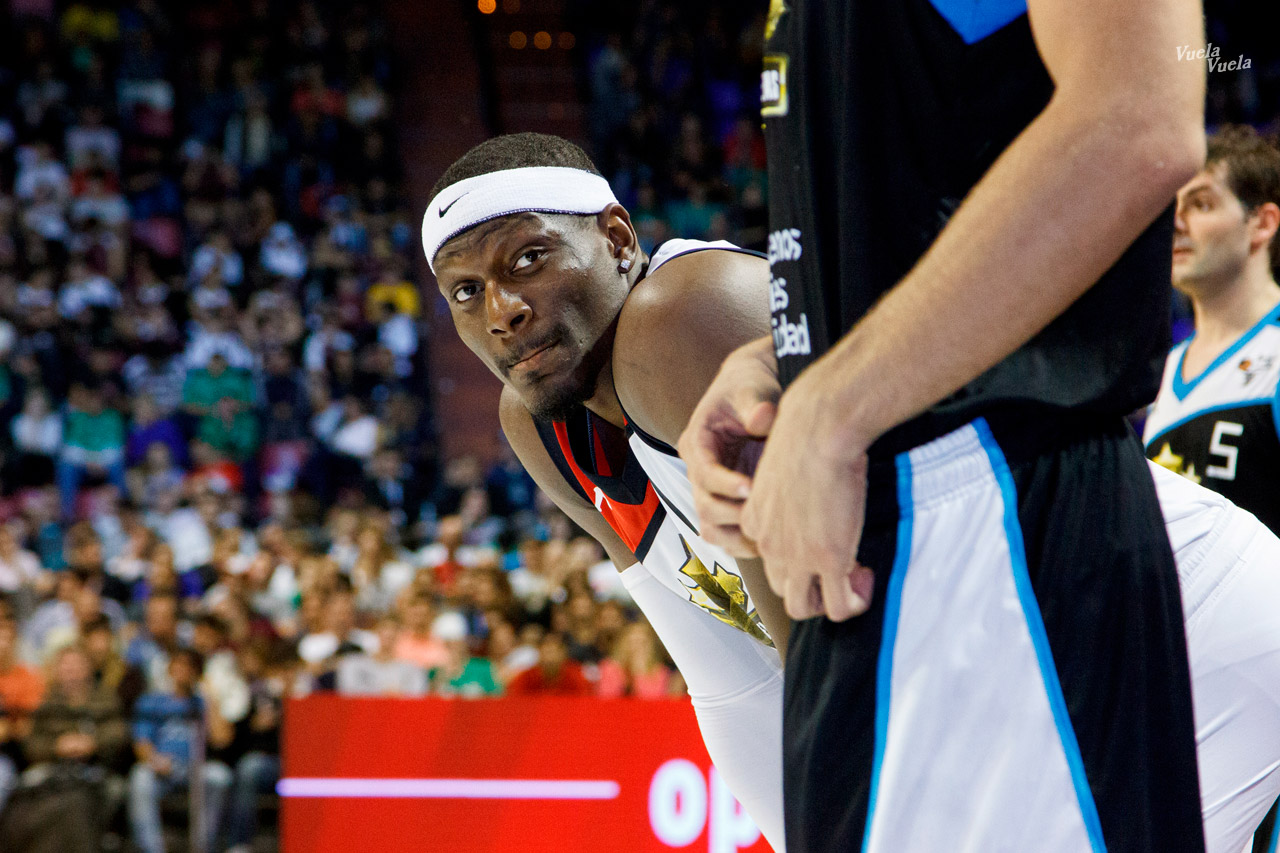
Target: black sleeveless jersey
x=879 y=119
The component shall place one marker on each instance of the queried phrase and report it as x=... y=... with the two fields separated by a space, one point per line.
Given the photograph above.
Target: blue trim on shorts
x=1275 y=836
x=889 y=632
x=1039 y=637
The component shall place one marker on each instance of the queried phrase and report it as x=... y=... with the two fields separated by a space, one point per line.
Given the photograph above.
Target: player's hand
x=807 y=505
x=724 y=439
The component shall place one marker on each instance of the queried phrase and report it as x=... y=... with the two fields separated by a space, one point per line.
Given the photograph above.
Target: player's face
x=1211 y=233
x=536 y=297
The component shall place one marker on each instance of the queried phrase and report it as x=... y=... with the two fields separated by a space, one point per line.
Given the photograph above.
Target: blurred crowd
x=673 y=96
x=219 y=484
x=219 y=479
x=672 y=91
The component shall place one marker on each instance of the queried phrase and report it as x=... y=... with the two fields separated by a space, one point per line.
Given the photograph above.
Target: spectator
x=340 y=634
x=93 y=445
x=21 y=687
x=462 y=675
x=152 y=650
x=417 y=643
x=78 y=736
x=635 y=667
x=109 y=670
x=205 y=387
x=86 y=291
x=258 y=768
x=380 y=673
x=37 y=436
x=151 y=427
x=165 y=724
x=221 y=682
x=554 y=675
x=20 y=570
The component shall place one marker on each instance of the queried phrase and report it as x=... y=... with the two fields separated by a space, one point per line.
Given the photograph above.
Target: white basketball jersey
x=1221 y=429
x=649 y=501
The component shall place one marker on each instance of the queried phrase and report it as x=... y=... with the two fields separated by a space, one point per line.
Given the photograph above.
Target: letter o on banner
x=678 y=803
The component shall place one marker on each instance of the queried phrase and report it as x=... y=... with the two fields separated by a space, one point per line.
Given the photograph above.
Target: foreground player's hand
x=806 y=507
x=724 y=438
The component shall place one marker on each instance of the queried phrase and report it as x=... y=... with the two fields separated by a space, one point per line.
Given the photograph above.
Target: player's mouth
x=535 y=359
x=1181 y=251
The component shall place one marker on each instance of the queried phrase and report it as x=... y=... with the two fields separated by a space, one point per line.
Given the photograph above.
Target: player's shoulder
x=681 y=248
x=689 y=284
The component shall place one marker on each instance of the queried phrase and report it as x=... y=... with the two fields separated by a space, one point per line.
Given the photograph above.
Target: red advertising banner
x=518 y=774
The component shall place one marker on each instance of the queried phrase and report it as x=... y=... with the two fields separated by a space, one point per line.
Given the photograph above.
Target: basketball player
x=970 y=259
x=536 y=260
x=1216 y=420
x=641 y=339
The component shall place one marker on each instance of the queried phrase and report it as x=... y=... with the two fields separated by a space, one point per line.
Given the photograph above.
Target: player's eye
x=465 y=293
x=528 y=259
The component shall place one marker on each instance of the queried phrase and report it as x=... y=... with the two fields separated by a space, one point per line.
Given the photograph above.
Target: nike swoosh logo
x=445 y=209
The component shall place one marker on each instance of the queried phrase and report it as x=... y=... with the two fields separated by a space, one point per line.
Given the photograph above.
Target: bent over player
x=970 y=226
x=661 y=333
x=538 y=294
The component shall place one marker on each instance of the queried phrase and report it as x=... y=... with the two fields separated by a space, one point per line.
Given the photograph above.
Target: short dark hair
x=1253 y=169
x=515 y=151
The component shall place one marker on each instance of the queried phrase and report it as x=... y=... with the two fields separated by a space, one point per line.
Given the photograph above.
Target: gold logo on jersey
x=720 y=593
x=776 y=8
x=1166 y=458
x=773 y=85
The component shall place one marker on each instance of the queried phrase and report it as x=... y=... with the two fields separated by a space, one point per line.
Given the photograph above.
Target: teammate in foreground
x=970 y=263
x=651 y=350
x=1216 y=420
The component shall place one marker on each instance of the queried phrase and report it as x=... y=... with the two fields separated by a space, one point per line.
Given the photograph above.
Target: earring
x=624 y=265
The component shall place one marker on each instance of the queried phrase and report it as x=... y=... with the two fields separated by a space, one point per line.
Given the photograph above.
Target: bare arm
x=1062 y=203
x=518 y=425
x=1123 y=131
x=675 y=331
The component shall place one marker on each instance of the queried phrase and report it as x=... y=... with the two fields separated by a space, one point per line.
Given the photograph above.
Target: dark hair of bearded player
x=515 y=151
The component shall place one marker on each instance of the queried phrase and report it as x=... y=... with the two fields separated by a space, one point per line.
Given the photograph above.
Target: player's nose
x=505 y=309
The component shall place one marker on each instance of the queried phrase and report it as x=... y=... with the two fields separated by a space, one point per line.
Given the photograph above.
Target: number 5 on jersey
x=1226 y=451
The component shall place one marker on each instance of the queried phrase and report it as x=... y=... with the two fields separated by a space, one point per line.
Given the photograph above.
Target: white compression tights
x=736 y=687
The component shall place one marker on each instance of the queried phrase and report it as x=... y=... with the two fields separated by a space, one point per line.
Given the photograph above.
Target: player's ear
x=616 y=224
x=1266 y=222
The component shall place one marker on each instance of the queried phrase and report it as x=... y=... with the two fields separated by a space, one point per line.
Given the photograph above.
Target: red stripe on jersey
x=629 y=521
x=602 y=459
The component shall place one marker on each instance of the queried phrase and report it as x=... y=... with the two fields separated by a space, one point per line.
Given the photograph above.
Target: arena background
x=332 y=509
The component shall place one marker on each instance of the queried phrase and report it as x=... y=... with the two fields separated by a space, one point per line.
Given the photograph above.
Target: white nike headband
x=532 y=189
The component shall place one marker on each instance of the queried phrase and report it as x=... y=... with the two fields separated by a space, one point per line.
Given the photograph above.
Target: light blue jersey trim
x=1208 y=410
x=1040 y=638
x=1275 y=411
x=1181 y=388
x=1275 y=836
x=974 y=20
x=889 y=632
